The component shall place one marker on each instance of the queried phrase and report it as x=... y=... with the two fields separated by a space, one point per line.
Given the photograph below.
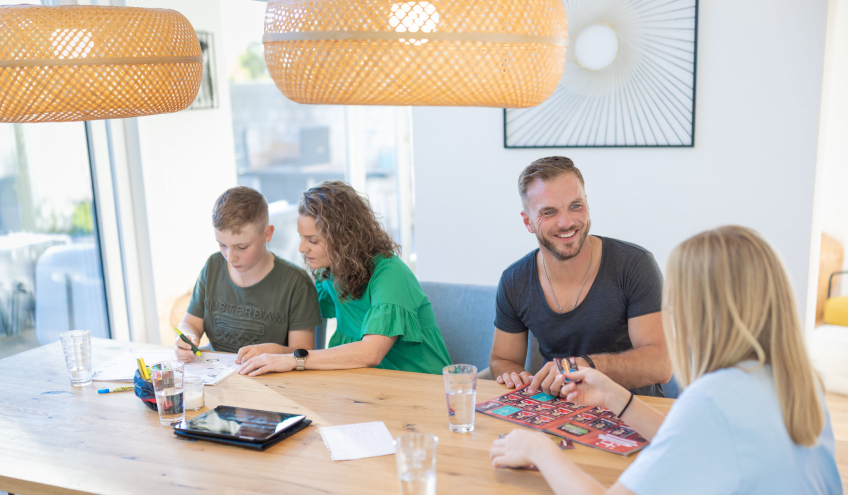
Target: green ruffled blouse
x=393 y=304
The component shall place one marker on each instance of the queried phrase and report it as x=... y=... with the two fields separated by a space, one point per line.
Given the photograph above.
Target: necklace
x=545 y=266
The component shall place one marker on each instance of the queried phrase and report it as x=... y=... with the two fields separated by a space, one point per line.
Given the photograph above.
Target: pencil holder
x=144 y=391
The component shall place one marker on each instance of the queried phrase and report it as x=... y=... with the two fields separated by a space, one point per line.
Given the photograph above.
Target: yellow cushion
x=836 y=311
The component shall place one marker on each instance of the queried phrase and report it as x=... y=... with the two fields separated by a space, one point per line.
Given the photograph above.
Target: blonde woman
x=752 y=418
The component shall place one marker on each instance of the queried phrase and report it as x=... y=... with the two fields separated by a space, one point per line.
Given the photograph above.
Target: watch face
x=300 y=353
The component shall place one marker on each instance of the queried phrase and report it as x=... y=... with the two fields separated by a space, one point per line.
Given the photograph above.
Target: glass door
x=51 y=276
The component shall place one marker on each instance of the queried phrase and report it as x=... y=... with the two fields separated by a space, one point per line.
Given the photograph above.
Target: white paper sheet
x=212 y=367
x=358 y=440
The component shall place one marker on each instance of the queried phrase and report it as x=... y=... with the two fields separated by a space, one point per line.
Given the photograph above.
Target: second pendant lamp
x=493 y=53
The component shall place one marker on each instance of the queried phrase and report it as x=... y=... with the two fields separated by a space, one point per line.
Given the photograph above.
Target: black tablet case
x=244 y=443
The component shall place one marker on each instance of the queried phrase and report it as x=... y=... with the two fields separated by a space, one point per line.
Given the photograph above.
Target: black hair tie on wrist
x=626 y=405
x=591 y=364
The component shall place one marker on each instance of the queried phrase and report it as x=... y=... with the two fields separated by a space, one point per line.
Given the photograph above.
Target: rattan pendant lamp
x=79 y=62
x=494 y=53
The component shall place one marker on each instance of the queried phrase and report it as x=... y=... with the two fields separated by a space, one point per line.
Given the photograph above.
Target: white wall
x=833 y=151
x=759 y=79
x=187 y=162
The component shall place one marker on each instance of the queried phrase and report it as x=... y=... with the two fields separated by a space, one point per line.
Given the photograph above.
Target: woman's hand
x=250 y=351
x=265 y=363
x=595 y=389
x=521 y=448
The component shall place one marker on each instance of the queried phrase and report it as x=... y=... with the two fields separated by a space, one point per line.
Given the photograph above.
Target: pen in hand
x=185 y=339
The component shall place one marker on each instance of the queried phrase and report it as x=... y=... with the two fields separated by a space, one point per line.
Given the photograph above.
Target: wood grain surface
x=58 y=439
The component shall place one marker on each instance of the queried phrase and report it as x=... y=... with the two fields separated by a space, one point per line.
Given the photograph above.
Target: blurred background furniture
x=70 y=293
x=828 y=342
x=19 y=253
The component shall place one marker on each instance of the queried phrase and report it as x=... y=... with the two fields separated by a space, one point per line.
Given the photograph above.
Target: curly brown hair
x=353 y=235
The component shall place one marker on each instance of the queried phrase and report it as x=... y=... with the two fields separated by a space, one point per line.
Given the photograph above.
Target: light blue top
x=725 y=435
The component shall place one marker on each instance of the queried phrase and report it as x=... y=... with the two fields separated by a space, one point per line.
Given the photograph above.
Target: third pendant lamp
x=492 y=53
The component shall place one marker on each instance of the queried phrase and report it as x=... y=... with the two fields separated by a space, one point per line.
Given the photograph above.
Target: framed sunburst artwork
x=629 y=79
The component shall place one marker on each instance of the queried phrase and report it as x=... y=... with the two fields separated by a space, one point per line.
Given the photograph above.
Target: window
x=51 y=277
x=284 y=148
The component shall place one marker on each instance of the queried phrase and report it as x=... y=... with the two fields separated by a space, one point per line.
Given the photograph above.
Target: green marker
x=194 y=348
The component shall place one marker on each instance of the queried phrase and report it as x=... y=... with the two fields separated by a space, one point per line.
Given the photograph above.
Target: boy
x=246 y=299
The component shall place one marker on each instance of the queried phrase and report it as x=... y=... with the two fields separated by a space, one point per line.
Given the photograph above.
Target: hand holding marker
x=185 y=339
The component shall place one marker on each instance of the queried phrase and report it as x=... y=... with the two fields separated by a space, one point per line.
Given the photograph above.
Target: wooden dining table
x=58 y=439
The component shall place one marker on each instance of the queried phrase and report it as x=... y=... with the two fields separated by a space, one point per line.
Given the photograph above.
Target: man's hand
x=250 y=351
x=183 y=350
x=265 y=363
x=545 y=380
x=514 y=379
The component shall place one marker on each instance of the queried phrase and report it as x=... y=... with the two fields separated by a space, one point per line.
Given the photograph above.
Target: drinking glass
x=461 y=391
x=167 y=378
x=416 y=463
x=77 y=347
x=193 y=389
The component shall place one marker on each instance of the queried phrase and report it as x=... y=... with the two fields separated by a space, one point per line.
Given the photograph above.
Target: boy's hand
x=183 y=350
x=249 y=351
x=264 y=363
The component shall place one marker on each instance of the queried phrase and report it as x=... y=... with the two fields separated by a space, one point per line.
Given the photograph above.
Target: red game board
x=591 y=426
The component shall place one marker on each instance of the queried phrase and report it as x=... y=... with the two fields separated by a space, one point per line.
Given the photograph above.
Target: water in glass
x=170 y=404
x=418 y=483
x=461 y=410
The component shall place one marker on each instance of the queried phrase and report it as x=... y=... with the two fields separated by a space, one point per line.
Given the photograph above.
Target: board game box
x=591 y=426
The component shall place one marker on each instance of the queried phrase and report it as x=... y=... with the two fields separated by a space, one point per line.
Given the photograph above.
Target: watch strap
x=589 y=360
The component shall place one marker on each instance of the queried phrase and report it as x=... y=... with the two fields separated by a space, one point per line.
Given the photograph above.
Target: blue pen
x=119 y=389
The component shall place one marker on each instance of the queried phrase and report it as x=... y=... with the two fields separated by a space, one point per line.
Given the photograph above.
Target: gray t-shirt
x=235 y=316
x=628 y=284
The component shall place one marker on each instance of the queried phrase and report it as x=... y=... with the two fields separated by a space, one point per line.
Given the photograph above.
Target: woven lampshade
x=79 y=62
x=494 y=53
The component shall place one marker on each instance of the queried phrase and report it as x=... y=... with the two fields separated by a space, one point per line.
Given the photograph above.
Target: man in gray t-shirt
x=594 y=298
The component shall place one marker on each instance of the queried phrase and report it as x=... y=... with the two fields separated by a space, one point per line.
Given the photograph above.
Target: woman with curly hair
x=752 y=418
x=383 y=317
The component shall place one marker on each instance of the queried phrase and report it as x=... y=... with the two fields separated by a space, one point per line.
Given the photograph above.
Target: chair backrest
x=671 y=389
x=466 y=314
x=69 y=293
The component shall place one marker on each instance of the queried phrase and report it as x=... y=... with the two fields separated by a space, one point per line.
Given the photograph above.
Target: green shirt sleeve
x=325 y=299
x=395 y=298
x=198 y=296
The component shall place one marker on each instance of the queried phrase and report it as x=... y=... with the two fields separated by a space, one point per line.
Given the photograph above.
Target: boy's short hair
x=546 y=169
x=239 y=207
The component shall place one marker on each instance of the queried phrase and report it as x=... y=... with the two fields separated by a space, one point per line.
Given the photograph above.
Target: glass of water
x=77 y=347
x=461 y=390
x=416 y=462
x=167 y=378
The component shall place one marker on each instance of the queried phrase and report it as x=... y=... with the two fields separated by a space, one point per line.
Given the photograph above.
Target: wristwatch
x=300 y=355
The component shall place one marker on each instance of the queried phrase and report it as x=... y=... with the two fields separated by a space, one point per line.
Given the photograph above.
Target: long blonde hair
x=727 y=298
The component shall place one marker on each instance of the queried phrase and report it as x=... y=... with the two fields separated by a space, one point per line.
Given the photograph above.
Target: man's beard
x=549 y=244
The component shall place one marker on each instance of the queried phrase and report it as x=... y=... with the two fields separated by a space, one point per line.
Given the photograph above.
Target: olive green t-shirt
x=234 y=316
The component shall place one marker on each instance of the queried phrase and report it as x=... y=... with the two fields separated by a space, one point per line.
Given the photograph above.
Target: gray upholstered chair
x=466 y=314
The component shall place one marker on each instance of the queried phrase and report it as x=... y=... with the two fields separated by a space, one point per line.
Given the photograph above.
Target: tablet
x=239 y=423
